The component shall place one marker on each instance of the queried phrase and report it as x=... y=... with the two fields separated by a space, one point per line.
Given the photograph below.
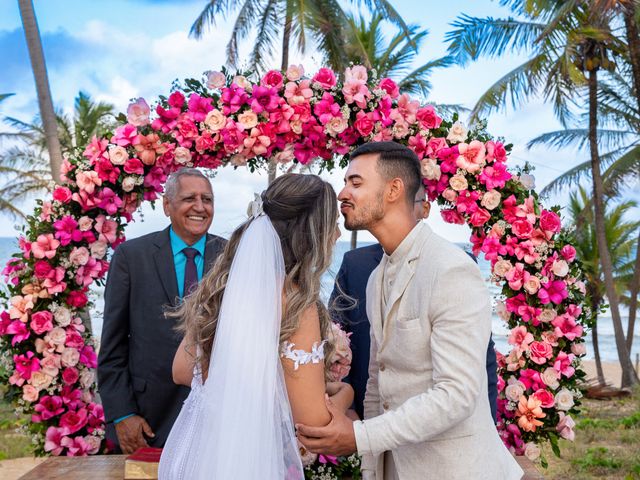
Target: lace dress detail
x=302 y=357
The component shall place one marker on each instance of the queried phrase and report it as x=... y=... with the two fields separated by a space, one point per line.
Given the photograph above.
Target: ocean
x=608 y=350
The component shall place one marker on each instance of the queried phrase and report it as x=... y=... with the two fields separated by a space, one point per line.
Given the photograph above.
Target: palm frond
x=624 y=170
x=579 y=137
x=241 y=28
x=267 y=28
x=208 y=16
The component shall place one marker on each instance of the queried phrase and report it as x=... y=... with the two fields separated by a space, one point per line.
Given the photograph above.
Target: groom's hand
x=337 y=438
x=130 y=433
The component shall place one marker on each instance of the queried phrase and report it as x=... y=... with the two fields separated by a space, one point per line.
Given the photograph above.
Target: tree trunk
x=596 y=352
x=633 y=298
x=354 y=239
x=286 y=37
x=633 y=41
x=45 y=103
x=629 y=377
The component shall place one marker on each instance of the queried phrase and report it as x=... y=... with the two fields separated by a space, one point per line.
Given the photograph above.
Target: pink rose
x=540 y=352
x=579 y=349
x=294 y=72
x=545 y=397
x=325 y=77
x=490 y=199
x=550 y=221
x=41 y=322
x=216 y=80
x=29 y=393
x=70 y=375
x=532 y=285
x=79 y=256
x=472 y=156
x=565 y=427
x=428 y=118
x=138 y=113
x=272 y=79
x=390 y=87
x=70 y=357
x=74 y=421
x=85 y=223
x=363 y=124
x=522 y=228
x=569 y=253
x=118 y=155
x=77 y=299
x=62 y=194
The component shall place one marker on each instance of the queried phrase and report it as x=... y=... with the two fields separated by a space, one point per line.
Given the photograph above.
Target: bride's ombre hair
x=304 y=211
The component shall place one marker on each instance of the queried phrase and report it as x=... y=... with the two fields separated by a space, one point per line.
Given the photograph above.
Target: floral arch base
x=48 y=357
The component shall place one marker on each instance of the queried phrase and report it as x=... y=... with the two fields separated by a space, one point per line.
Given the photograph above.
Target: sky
x=118 y=50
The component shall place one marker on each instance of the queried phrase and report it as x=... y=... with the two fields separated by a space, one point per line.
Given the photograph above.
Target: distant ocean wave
x=606 y=335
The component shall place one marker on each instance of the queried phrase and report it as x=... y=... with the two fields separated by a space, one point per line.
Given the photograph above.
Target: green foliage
x=597 y=457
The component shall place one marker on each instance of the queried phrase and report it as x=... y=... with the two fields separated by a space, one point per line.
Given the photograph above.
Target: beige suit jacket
x=426 y=399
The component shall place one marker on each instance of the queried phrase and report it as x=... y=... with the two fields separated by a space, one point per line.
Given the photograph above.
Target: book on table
x=142 y=464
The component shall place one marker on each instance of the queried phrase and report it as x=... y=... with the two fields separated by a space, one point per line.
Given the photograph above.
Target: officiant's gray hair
x=172 y=184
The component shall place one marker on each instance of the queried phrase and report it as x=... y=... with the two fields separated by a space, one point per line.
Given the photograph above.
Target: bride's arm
x=183 y=364
x=305 y=386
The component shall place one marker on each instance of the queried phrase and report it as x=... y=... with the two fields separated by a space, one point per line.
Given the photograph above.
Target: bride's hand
x=341 y=394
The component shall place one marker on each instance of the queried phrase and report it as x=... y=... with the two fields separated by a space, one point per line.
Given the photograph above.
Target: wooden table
x=111 y=467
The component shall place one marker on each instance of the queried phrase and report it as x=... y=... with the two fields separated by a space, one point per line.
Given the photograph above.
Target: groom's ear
x=395 y=191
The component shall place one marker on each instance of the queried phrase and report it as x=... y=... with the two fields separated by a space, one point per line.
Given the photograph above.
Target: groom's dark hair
x=395 y=161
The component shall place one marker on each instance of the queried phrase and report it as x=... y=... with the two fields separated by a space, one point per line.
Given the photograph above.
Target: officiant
x=148 y=275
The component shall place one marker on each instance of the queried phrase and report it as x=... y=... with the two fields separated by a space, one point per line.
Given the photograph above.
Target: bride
x=255 y=338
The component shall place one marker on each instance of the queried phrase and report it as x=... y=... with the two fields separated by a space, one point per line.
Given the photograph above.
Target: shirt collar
x=177 y=244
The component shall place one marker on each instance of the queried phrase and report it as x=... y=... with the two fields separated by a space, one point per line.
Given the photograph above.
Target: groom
x=426 y=409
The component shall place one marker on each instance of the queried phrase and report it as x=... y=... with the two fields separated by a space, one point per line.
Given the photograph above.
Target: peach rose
x=57 y=336
x=295 y=72
x=40 y=380
x=430 y=169
x=532 y=284
x=50 y=365
x=472 y=156
x=85 y=223
x=450 y=195
x=98 y=249
x=70 y=357
x=502 y=267
x=248 y=119
x=560 y=268
x=182 y=155
x=458 y=183
x=336 y=126
x=79 y=256
x=490 y=199
x=514 y=390
x=118 y=155
x=215 y=120
x=29 y=393
x=241 y=81
x=547 y=315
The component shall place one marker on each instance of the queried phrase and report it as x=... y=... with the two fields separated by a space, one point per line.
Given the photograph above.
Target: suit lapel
x=376 y=302
x=163 y=258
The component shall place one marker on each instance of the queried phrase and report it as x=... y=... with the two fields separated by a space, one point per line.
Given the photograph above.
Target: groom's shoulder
x=440 y=252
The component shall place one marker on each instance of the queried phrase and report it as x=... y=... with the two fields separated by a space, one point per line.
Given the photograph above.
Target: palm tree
x=620 y=239
x=24 y=166
x=568 y=43
x=45 y=103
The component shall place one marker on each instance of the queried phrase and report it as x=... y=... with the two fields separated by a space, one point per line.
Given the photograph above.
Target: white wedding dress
x=238 y=424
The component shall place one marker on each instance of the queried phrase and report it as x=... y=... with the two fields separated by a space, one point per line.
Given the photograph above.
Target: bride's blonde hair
x=303 y=210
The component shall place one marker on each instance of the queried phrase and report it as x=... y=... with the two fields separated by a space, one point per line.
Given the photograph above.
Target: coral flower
x=529 y=411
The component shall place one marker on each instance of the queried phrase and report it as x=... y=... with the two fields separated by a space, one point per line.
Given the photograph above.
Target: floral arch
x=49 y=359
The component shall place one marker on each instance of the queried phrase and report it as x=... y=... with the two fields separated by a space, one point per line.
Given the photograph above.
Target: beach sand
x=612 y=372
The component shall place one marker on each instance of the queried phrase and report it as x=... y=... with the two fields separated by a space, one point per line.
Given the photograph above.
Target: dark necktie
x=190 y=271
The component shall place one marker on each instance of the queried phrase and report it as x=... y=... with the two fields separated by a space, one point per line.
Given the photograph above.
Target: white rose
x=215 y=120
x=547 y=315
x=502 y=267
x=85 y=223
x=430 y=169
x=79 y=256
x=457 y=133
x=560 y=268
x=295 y=72
x=62 y=316
x=128 y=183
x=579 y=349
x=550 y=378
x=87 y=377
x=241 y=81
x=336 y=126
x=98 y=249
x=70 y=357
x=490 y=199
x=458 y=183
x=57 y=336
x=216 y=80
x=564 y=399
x=532 y=451
x=514 y=391
x=118 y=155
x=527 y=181
x=182 y=155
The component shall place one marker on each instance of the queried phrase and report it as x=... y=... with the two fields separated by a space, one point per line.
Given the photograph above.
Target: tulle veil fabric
x=238 y=425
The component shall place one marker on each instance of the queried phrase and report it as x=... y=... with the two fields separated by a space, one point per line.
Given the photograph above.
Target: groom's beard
x=361 y=218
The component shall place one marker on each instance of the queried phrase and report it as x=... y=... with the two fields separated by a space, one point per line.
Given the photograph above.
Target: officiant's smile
x=190 y=207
